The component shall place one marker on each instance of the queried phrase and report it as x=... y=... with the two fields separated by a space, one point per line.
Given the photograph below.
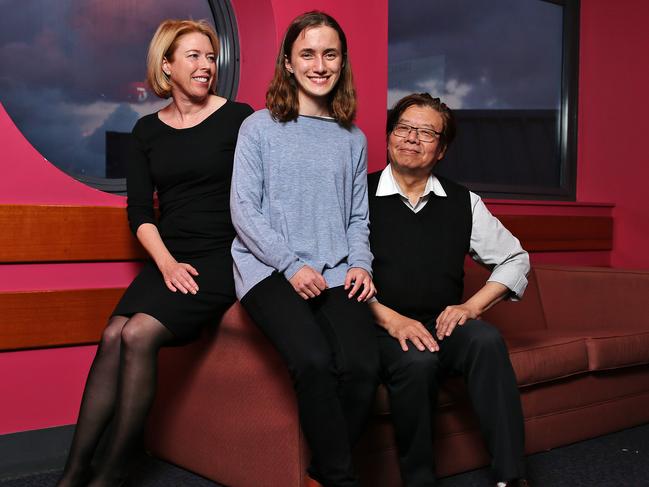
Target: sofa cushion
x=617 y=350
x=584 y=390
x=588 y=298
x=381 y=405
x=542 y=356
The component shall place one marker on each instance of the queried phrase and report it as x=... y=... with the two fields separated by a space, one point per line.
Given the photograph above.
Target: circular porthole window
x=73 y=76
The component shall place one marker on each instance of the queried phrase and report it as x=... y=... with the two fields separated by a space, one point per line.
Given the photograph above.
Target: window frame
x=567 y=130
x=567 y=123
x=569 y=96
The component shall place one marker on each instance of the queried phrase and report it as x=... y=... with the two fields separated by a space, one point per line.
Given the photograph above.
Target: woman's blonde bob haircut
x=163 y=45
x=282 y=95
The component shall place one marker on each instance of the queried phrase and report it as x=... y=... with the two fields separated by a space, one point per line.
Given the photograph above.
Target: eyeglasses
x=424 y=135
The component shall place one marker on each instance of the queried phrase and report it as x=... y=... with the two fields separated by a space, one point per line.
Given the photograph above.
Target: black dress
x=191 y=170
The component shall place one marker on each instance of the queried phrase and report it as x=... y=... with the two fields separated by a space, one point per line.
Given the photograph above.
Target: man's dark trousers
x=477 y=352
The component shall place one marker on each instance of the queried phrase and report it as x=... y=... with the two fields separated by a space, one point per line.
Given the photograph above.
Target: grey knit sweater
x=299 y=196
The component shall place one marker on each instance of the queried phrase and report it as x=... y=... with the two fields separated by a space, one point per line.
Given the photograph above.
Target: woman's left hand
x=357 y=277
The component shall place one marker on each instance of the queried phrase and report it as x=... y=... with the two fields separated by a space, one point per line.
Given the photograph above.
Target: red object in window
x=138 y=92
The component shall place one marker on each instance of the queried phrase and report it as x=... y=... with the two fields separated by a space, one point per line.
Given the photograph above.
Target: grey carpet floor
x=616 y=460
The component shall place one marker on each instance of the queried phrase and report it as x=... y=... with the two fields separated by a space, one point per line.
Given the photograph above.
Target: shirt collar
x=388 y=186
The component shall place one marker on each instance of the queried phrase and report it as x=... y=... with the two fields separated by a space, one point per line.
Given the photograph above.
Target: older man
x=422 y=227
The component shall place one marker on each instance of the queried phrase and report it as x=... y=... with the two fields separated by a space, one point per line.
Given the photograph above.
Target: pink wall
x=55 y=377
x=613 y=163
x=42 y=388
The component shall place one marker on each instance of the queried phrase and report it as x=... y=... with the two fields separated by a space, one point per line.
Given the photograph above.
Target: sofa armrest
x=225 y=408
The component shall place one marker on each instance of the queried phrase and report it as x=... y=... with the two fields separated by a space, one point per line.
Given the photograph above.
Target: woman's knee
x=112 y=335
x=312 y=367
x=362 y=367
x=143 y=332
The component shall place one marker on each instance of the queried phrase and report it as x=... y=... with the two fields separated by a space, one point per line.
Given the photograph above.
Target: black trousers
x=478 y=353
x=329 y=346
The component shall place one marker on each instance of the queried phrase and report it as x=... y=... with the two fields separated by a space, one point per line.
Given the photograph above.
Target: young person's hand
x=357 y=278
x=308 y=282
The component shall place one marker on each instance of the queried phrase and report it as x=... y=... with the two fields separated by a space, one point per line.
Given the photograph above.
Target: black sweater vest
x=419 y=257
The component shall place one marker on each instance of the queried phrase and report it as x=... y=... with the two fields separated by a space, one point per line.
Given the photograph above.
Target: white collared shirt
x=491 y=243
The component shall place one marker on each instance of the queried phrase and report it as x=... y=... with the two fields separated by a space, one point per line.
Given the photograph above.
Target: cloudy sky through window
x=73 y=69
x=477 y=54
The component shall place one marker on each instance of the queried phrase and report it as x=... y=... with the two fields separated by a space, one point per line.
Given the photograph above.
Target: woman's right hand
x=178 y=277
x=308 y=282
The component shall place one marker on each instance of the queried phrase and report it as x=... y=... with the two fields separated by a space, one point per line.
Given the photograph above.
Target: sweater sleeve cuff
x=293 y=268
x=363 y=265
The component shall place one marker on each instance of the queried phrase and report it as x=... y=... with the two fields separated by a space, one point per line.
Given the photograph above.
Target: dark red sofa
x=579 y=343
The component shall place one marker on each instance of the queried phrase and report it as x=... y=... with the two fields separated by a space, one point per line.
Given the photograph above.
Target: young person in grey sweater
x=302 y=261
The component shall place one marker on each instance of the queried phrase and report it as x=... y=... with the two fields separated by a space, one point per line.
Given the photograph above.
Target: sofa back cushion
x=592 y=298
x=508 y=316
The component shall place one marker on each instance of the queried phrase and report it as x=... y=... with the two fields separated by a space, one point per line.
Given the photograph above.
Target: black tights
x=120 y=387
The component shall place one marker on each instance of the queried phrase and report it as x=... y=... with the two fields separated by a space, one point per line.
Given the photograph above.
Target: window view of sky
x=477 y=54
x=74 y=69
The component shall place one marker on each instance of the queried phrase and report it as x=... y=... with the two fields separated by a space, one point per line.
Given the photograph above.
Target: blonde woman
x=185 y=153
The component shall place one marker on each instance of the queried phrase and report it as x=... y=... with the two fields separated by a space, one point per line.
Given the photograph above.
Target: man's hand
x=308 y=283
x=403 y=329
x=481 y=301
x=357 y=277
x=178 y=277
x=453 y=316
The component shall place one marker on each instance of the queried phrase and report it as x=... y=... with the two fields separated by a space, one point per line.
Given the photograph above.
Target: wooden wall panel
x=543 y=233
x=41 y=319
x=32 y=233
x=48 y=233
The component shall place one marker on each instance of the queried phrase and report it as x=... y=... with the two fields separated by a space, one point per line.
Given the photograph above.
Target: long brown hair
x=282 y=95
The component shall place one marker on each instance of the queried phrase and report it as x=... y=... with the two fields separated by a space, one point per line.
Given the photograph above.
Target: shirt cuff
x=516 y=284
